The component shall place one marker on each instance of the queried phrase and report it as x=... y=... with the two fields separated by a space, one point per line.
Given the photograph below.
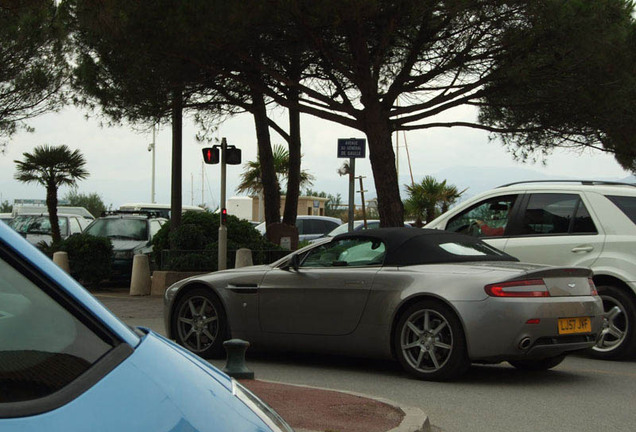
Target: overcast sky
x=120 y=164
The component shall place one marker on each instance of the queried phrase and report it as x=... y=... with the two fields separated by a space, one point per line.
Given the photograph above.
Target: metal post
x=364 y=212
x=222 y=228
x=352 y=191
x=152 y=191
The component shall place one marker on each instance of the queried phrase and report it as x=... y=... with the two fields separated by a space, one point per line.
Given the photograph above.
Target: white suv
x=566 y=223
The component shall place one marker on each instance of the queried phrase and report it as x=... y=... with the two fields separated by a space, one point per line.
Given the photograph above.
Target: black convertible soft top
x=412 y=246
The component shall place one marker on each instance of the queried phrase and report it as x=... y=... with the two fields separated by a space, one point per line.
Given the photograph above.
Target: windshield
x=31 y=224
x=124 y=229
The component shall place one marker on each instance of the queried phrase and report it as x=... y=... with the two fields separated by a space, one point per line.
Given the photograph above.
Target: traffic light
x=232 y=155
x=223 y=216
x=211 y=155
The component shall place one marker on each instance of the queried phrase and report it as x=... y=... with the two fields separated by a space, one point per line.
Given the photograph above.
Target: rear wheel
x=538 y=365
x=430 y=342
x=199 y=323
x=617 y=339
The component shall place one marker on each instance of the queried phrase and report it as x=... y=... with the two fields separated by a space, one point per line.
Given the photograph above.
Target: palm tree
x=429 y=196
x=423 y=198
x=450 y=195
x=251 y=178
x=52 y=167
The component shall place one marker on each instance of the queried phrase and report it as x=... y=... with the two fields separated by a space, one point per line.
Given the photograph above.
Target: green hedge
x=89 y=257
x=198 y=237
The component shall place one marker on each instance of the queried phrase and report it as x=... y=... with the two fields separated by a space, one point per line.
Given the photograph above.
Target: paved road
x=579 y=395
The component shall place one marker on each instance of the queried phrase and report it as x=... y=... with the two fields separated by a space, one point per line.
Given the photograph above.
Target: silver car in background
x=436 y=301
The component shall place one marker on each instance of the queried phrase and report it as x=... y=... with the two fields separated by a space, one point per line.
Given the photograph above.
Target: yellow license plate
x=575 y=325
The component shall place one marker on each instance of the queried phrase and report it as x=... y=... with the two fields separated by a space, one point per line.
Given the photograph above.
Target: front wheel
x=617 y=338
x=538 y=365
x=430 y=342
x=199 y=323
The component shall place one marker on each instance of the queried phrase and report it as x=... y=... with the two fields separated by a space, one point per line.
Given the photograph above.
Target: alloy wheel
x=197 y=323
x=426 y=340
x=615 y=325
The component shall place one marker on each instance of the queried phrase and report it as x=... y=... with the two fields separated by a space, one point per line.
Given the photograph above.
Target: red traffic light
x=223 y=216
x=211 y=155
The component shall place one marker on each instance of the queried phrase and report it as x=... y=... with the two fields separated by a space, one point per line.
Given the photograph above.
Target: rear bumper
x=499 y=329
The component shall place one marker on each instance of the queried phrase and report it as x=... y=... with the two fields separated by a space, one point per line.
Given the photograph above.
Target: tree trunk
x=177 y=157
x=271 y=191
x=382 y=157
x=293 y=176
x=51 y=205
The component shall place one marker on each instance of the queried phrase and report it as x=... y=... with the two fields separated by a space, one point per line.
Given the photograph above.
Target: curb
x=415 y=420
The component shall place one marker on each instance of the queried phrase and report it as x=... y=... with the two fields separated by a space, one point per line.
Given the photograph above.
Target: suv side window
x=488 y=218
x=548 y=213
x=626 y=204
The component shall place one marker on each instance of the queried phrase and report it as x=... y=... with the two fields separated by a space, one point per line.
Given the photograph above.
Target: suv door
x=556 y=229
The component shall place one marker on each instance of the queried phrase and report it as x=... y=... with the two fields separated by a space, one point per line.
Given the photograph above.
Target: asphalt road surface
x=579 y=395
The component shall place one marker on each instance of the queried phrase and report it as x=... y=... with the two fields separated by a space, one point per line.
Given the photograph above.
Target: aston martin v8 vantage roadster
x=436 y=301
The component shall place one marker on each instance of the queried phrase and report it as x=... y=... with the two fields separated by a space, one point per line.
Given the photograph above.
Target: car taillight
x=521 y=288
x=593 y=290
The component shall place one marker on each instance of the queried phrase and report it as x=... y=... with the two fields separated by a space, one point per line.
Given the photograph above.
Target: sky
x=120 y=163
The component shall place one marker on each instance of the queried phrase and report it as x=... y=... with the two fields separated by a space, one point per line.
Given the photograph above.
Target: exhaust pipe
x=525 y=343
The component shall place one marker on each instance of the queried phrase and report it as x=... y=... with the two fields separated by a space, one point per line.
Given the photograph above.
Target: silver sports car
x=434 y=300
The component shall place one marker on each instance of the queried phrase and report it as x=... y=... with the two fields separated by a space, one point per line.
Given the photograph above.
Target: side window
x=74 y=226
x=488 y=218
x=626 y=204
x=43 y=346
x=330 y=226
x=313 y=226
x=155 y=226
x=556 y=214
x=347 y=252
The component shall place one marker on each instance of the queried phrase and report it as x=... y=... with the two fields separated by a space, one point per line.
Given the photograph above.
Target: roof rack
x=147 y=213
x=583 y=182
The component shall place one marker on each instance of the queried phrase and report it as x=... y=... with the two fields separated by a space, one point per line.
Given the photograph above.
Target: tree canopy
x=33 y=67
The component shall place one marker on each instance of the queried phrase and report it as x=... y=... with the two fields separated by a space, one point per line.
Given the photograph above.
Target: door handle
x=354 y=283
x=582 y=249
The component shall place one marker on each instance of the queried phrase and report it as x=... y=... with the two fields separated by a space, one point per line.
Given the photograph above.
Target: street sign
x=352 y=148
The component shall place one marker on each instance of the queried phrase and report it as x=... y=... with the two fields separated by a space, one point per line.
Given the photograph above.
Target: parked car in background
x=357 y=226
x=566 y=223
x=68 y=364
x=310 y=227
x=131 y=233
x=36 y=228
x=161 y=210
x=434 y=300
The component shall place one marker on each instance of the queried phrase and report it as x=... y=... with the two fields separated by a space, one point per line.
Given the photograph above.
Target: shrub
x=89 y=257
x=198 y=236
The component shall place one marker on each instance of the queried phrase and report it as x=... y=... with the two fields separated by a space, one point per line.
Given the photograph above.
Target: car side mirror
x=294 y=262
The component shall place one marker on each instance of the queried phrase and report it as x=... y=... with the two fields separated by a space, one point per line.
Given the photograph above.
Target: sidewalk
x=306 y=409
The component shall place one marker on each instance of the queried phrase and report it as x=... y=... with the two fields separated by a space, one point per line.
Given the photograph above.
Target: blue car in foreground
x=68 y=364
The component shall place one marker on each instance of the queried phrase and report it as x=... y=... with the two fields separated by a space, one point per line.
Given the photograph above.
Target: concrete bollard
x=61 y=259
x=243 y=258
x=235 y=366
x=140 y=281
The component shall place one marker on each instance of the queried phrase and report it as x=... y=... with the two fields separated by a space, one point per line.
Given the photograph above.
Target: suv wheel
x=616 y=340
